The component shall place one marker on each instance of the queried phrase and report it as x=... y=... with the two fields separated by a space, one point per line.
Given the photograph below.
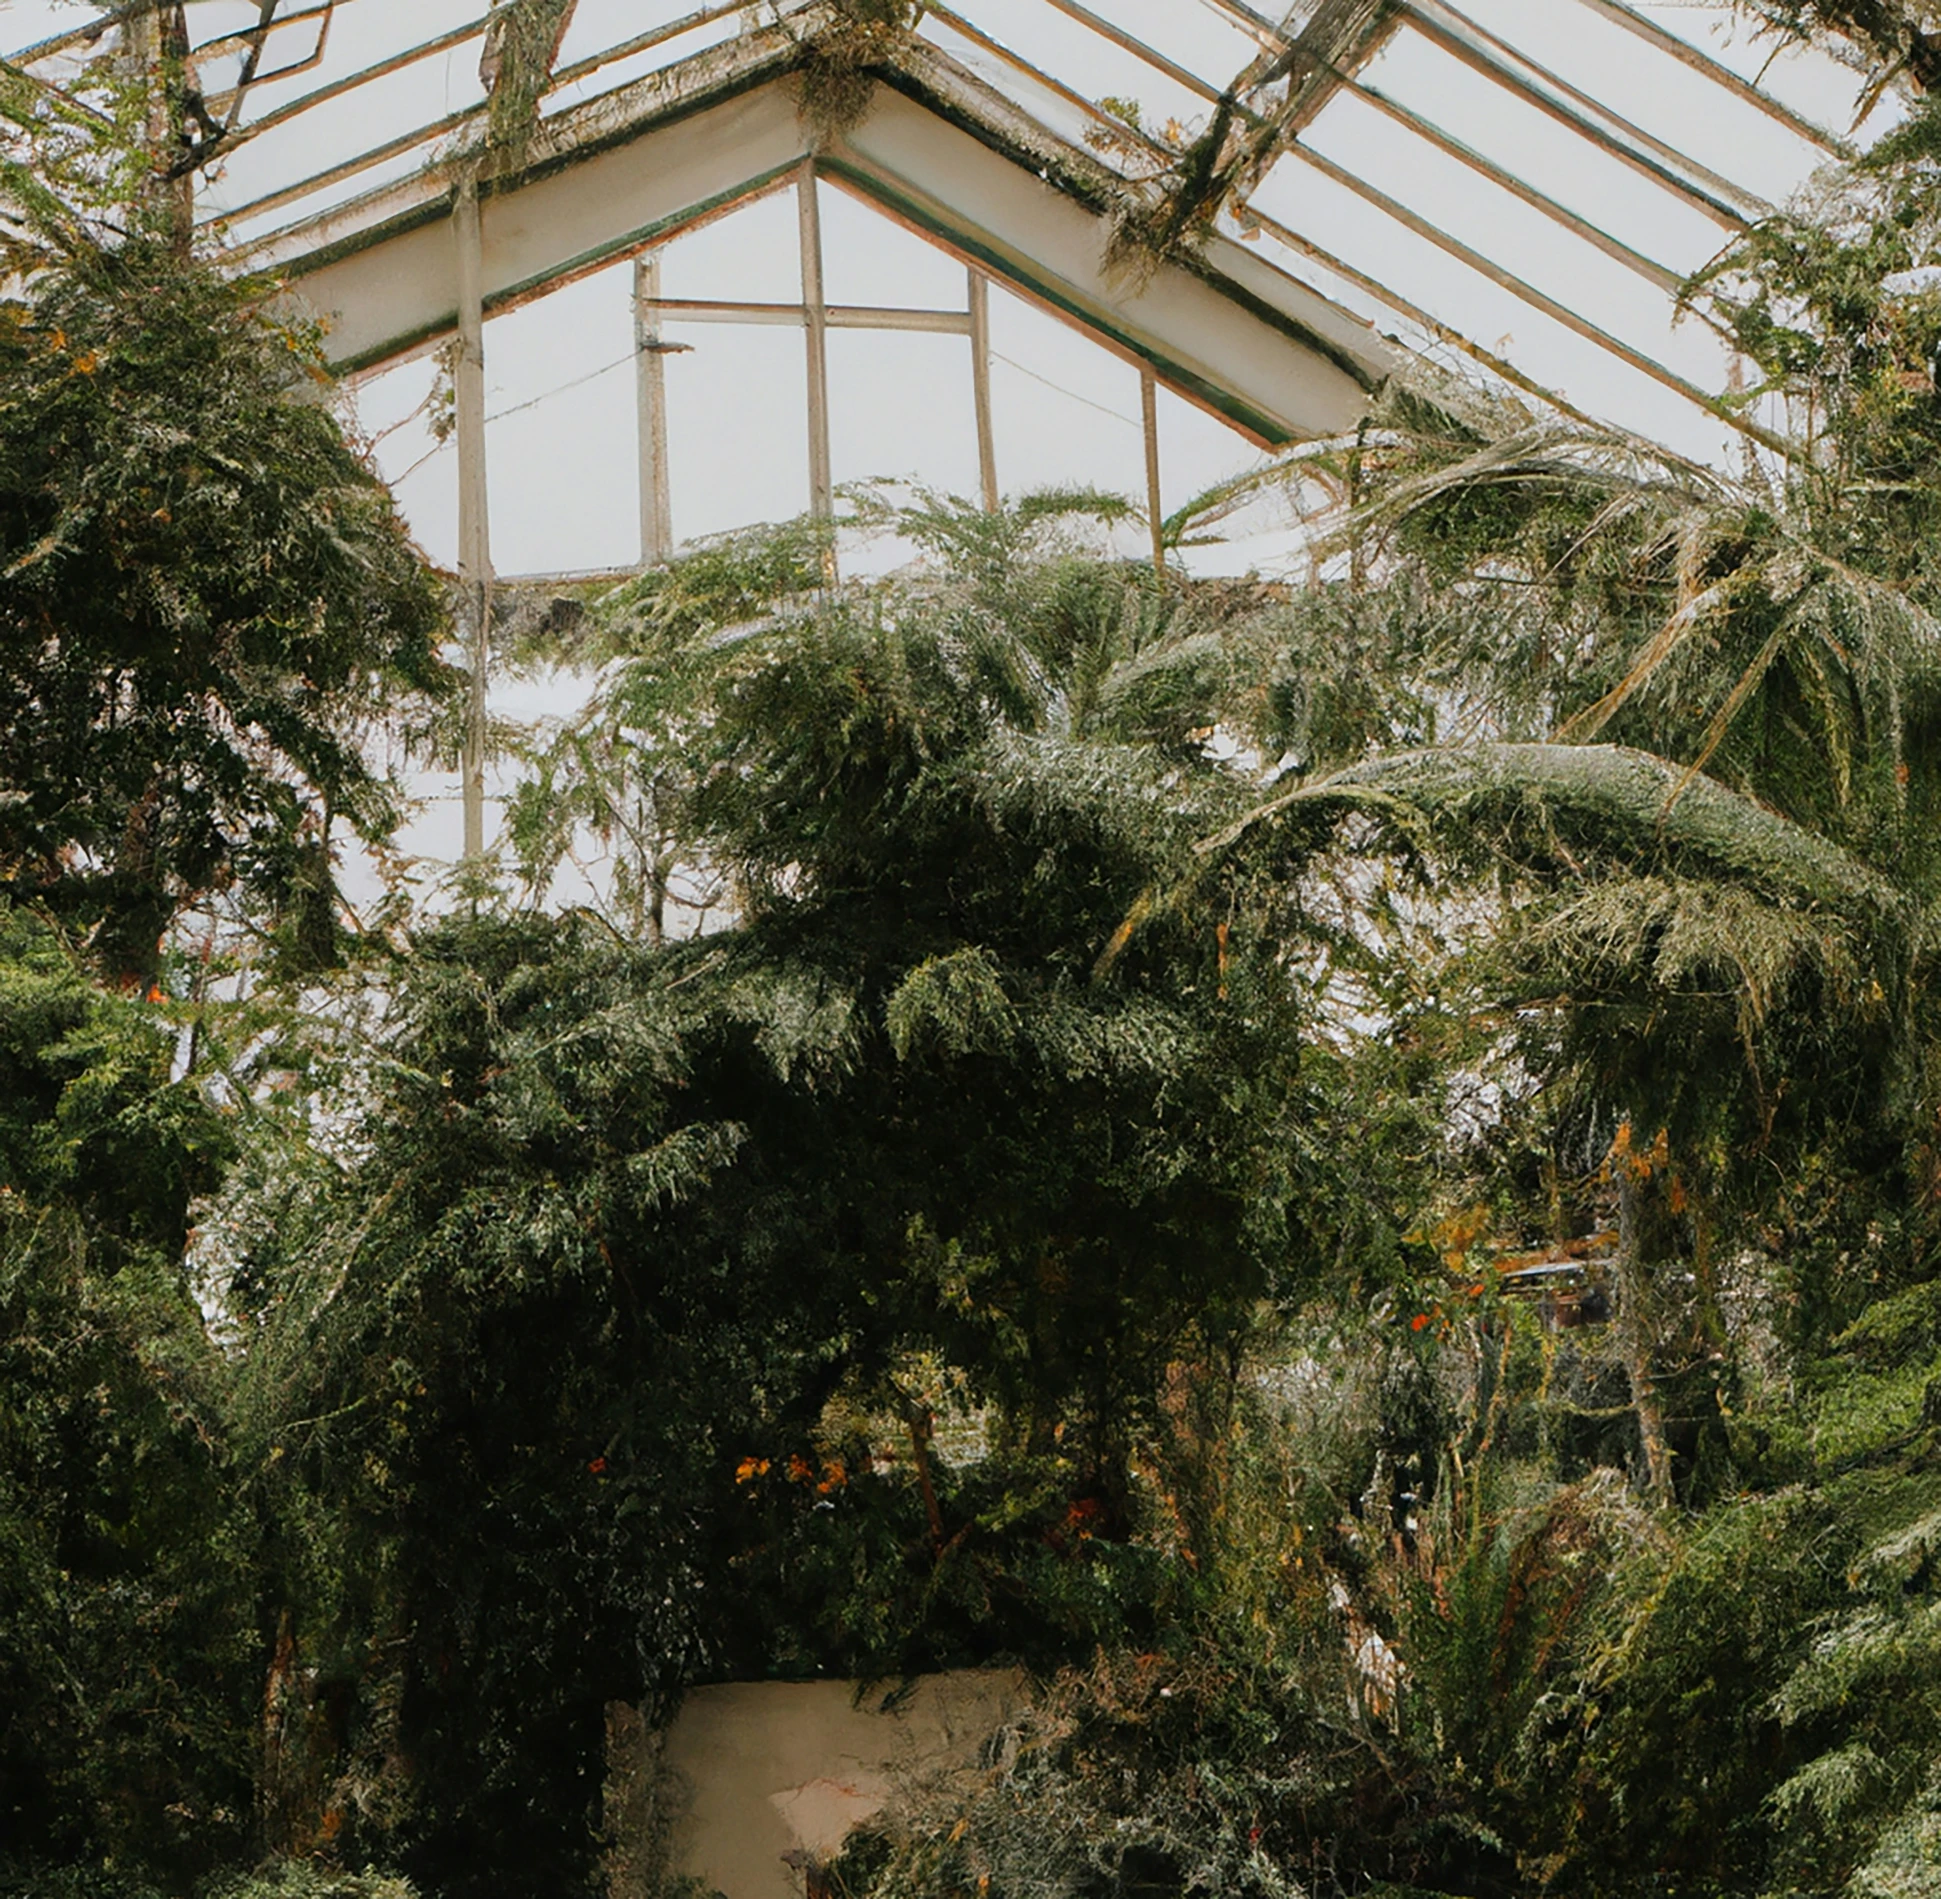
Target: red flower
x=598 y=1467
x=1418 y=1322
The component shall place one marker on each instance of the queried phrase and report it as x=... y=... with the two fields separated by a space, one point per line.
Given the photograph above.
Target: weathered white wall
x=768 y=1775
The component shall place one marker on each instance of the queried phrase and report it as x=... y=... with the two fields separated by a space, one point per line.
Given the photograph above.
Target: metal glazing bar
x=1647 y=268
x=1428 y=323
x=308 y=63
x=349 y=168
x=1138 y=48
x=364 y=76
x=253 y=58
x=1335 y=46
x=323 y=95
x=980 y=340
x=1529 y=293
x=1701 y=61
x=1057 y=87
x=1274 y=39
x=474 y=531
x=1479 y=49
x=1269 y=32
x=839 y=316
x=822 y=488
x=1155 y=507
x=650 y=377
x=1501 y=63
x=88 y=33
x=253 y=36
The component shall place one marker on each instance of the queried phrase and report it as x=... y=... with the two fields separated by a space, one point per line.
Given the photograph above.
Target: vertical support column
x=474 y=533
x=815 y=317
x=650 y=376
x=980 y=341
x=1155 y=510
x=155 y=43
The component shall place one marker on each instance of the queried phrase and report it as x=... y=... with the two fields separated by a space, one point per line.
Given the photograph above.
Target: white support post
x=815 y=310
x=1155 y=510
x=980 y=337
x=656 y=499
x=474 y=533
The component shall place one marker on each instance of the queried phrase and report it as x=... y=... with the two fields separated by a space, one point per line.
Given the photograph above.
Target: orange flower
x=1418 y=1322
x=598 y=1467
x=750 y=1468
x=801 y=1471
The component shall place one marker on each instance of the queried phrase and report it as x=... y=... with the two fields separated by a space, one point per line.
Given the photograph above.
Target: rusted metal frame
x=1335 y=63
x=1334 y=56
x=1424 y=320
x=1162 y=154
x=133 y=12
x=443 y=42
x=1537 y=299
x=1646 y=267
x=1701 y=61
x=1347 y=271
x=1477 y=48
x=643 y=43
x=838 y=316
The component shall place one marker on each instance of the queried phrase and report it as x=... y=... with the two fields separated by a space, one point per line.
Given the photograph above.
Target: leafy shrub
x=293 y=1879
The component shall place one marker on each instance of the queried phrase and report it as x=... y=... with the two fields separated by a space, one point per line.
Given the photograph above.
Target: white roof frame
x=939 y=151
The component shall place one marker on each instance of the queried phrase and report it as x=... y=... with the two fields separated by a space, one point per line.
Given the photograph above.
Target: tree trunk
x=1634 y=1327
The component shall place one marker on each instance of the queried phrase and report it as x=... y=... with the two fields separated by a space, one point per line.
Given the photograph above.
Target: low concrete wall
x=767 y=1778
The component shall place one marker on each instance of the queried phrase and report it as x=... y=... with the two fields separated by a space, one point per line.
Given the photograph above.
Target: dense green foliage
x=1024 y=1155
x=605 y=1270
x=127 y=1668
x=206 y=600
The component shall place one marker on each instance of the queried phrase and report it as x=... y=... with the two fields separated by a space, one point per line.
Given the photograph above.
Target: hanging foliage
x=522 y=42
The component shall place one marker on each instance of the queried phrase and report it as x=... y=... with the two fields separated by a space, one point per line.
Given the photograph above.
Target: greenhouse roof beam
x=1537 y=299
x=940 y=151
x=1445 y=241
x=1653 y=272
x=454 y=122
x=1700 y=61
x=1718 y=197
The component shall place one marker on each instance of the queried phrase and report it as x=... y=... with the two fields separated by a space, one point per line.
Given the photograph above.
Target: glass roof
x=1423 y=159
x=1522 y=182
